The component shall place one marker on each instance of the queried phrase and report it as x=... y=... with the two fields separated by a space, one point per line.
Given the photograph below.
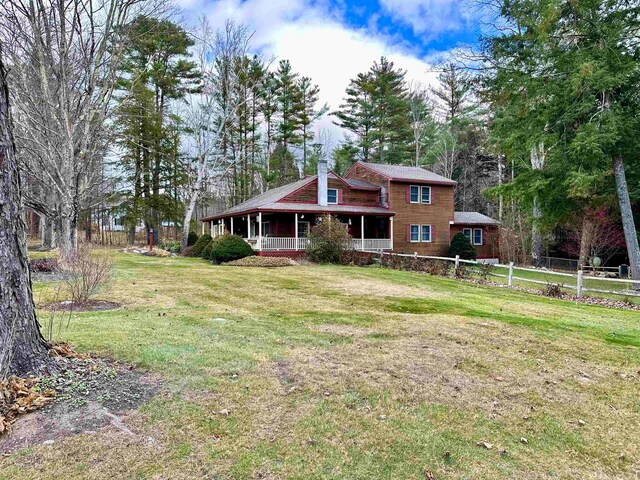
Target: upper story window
x=332 y=196
x=414 y=194
x=426 y=194
x=477 y=236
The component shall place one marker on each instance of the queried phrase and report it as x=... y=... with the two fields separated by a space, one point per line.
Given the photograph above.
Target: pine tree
x=377 y=111
x=308 y=114
x=288 y=105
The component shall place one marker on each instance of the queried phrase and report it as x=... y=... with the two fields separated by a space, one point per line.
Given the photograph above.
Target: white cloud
x=429 y=17
x=317 y=43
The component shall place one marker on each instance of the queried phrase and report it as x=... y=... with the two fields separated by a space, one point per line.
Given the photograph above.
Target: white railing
x=578 y=279
x=292 y=244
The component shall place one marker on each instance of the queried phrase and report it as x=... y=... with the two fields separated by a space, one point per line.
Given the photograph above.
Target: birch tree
x=219 y=54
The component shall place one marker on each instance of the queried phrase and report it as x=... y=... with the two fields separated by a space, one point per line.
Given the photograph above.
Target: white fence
x=577 y=281
x=292 y=243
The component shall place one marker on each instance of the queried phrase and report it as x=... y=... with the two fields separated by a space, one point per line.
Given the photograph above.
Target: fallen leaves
x=63 y=349
x=19 y=396
x=486 y=445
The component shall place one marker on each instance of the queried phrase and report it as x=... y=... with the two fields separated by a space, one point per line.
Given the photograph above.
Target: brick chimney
x=322 y=182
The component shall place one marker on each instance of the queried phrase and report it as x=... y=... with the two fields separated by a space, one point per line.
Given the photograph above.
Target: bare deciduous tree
x=219 y=55
x=63 y=58
x=22 y=347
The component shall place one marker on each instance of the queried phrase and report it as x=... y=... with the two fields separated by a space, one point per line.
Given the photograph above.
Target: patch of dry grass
x=338 y=372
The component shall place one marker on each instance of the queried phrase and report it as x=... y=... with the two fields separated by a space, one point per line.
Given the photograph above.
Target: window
x=414 y=194
x=415 y=233
x=477 y=236
x=332 y=196
x=426 y=195
x=426 y=233
x=467 y=233
x=266 y=229
x=303 y=229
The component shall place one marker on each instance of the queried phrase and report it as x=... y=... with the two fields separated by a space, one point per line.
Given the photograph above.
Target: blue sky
x=333 y=40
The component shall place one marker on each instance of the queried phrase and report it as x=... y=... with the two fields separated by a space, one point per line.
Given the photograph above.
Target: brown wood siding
x=309 y=194
x=361 y=173
x=438 y=214
x=489 y=247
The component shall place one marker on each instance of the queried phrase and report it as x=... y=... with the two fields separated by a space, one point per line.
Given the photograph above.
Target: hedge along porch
x=288 y=232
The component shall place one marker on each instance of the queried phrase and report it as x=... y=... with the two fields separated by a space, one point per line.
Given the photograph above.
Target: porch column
x=362 y=230
x=231 y=226
x=211 y=228
x=248 y=227
x=391 y=231
x=296 y=230
x=202 y=229
x=260 y=231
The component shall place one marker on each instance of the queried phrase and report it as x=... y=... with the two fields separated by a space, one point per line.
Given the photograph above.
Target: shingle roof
x=269 y=201
x=354 y=182
x=409 y=174
x=473 y=218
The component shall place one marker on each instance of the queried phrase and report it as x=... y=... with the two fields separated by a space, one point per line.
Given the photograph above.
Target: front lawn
x=353 y=373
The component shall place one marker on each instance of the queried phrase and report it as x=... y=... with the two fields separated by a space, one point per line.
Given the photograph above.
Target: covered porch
x=290 y=231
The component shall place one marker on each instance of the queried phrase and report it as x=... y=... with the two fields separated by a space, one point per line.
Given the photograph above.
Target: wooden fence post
x=510 y=274
x=457 y=262
x=580 y=284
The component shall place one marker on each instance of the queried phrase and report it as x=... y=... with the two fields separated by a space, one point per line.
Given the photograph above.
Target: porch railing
x=292 y=243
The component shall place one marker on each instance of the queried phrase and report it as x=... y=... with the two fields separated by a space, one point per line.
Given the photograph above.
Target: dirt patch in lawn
x=91 y=306
x=345 y=330
x=91 y=393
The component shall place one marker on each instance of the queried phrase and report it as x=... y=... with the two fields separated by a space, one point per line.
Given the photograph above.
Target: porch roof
x=472 y=218
x=288 y=207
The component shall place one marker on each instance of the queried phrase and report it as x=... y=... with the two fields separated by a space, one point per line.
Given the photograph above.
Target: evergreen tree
x=565 y=83
x=288 y=105
x=308 y=114
x=377 y=111
x=155 y=71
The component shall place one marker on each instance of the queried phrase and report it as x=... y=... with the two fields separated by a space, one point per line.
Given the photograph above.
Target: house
x=385 y=207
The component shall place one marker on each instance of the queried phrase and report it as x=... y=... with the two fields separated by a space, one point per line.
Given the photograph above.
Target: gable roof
x=473 y=218
x=270 y=201
x=407 y=174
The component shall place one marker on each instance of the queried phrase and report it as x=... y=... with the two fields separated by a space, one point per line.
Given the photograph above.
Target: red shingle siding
x=347 y=195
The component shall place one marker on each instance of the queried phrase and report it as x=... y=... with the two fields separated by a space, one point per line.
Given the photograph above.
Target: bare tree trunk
x=537 y=163
x=586 y=240
x=23 y=349
x=195 y=194
x=628 y=224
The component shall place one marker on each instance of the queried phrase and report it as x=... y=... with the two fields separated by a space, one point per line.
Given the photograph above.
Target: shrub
x=485 y=270
x=192 y=239
x=202 y=242
x=43 y=265
x=188 y=252
x=553 y=290
x=172 y=246
x=90 y=271
x=206 y=251
x=460 y=245
x=329 y=240
x=227 y=248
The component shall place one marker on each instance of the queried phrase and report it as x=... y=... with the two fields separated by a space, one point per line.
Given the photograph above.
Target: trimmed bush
x=206 y=252
x=460 y=245
x=227 y=248
x=329 y=240
x=192 y=239
x=172 y=246
x=202 y=242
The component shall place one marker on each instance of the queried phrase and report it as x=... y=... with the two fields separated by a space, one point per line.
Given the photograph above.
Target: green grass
x=353 y=373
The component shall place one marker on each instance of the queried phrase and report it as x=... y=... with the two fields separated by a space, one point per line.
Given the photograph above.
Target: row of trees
x=561 y=80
